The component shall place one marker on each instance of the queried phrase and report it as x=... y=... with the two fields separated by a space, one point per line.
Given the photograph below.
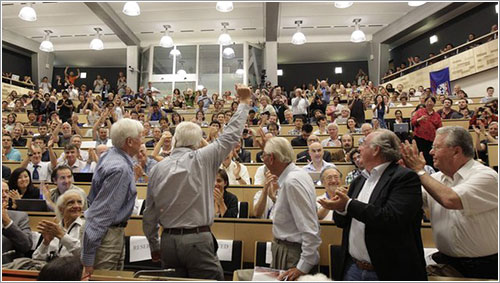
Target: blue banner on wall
x=440 y=81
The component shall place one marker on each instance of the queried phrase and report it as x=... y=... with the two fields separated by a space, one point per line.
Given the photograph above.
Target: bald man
x=304 y=155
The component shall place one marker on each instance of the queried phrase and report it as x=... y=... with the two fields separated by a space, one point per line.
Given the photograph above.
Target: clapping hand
x=411 y=156
x=336 y=202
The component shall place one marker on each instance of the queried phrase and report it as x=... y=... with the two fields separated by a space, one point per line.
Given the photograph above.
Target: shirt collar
x=462 y=173
x=376 y=171
x=284 y=174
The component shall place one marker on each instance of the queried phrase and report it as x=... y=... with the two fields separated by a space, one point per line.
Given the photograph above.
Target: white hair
x=123 y=129
x=332 y=125
x=187 y=134
x=281 y=149
x=61 y=200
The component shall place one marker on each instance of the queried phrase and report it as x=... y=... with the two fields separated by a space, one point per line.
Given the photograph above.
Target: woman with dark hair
x=234 y=106
x=21 y=187
x=68 y=268
x=352 y=126
x=379 y=109
x=176 y=119
x=425 y=122
x=226 y=204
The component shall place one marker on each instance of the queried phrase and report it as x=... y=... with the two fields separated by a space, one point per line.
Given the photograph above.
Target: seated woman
x=63 y=238
x=21 y=187
x=225 y=203
x=352 y=124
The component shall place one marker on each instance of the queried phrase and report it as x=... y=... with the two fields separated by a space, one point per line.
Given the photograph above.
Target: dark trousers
x=425 y=147
x=485 y=267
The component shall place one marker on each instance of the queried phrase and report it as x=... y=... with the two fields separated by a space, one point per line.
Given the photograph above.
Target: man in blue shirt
x=111 y=200
x=8 y=152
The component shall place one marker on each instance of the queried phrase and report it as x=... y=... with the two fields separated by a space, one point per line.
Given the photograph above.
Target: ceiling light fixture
x=181 y=71
x=46 y=45
x=27 y=13
x=166 y=40
x=343 y=4
x=96 y=43
x=357 y=35
x=496 y=8
x=240 y=72
x=416 y=3
x=175 y=52
x=224 y=6
x=225 y=38
x=228 y=53
x=433 y=39
x=131 y=8
x=200 y=87
x=280 y=72
x=298 y=37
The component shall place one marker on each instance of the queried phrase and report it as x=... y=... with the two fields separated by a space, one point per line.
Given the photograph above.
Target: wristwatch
x=421 y=173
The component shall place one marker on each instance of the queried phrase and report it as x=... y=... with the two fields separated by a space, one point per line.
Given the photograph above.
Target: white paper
x=137 y=206
x=35 y=237
x=265 y=274
x=269 y=253
x=88 y=144
x=139 y=249
x=109 y=143
x=225 y=251
x=428 y=252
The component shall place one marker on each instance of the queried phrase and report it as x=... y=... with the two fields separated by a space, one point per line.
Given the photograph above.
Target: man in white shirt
x=331 y=178
x=463 y=202
x=489 y=95
x=39 y=170
x=381 y=213
x=295 y=222
x=333 y=139
x=76 y=165
x=299 y=103
x=264 y=200
x=236 y=172
x=317 y=163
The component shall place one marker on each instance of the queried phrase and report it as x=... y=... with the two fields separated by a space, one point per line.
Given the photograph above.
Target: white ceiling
x=327 y=28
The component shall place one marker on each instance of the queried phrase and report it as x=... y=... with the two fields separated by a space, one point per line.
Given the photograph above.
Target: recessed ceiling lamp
x=228 y=53
x=225 y=38
x=416 y=3
x=357 y=35
x=224 y=6
x=96 y=43
x=298 y=37
x=181 y=71
x=343 y=4
x=131 y=8
x=200 y=87
x=27 y=13
x=46 y=45
x=166 y=40
x=240 y=72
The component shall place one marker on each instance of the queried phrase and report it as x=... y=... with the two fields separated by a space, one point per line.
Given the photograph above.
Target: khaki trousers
x=111 y=254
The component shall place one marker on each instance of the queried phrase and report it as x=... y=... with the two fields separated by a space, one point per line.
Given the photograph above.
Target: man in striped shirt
x=111 y=200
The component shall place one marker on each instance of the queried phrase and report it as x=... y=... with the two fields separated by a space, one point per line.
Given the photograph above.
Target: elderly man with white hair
x=333 y=139
x=295 y=221
x=180 y=197
x=111 y=199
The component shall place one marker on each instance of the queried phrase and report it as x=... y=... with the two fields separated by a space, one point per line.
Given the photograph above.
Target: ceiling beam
x=104 y=12
x=271 y=12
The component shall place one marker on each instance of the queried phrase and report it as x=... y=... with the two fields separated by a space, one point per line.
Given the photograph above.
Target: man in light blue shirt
x=8 y=152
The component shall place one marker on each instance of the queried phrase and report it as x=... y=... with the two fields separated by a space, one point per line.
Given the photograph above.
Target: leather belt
x=363 y=265
x=120 y=225
x=181 y=231
x=287 y=243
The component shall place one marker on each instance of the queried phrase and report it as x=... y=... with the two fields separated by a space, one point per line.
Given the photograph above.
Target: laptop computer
x=83 y=177
x=31 y=205
x=401 y=128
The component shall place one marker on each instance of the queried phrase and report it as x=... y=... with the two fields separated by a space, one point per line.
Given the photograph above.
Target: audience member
x=463 y=202
x=387 y=198
x=425 y=122
x=21 y=187
x=447 y=112
x=38 y=169
x=8 y=152
x=354 y=173
x=330 y=178
x=68 y=268
x=225 y=203
x=333 y=139
x=304 y=156
x=302 y=139
x=347 y=144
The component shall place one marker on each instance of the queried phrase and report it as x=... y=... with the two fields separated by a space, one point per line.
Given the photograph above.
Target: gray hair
x=123 y=129
x=389 y=144
x=281 y=149
x=322 y=174
x=458 y=136
x=332 y=125
x=61 y=200
x=187 y=134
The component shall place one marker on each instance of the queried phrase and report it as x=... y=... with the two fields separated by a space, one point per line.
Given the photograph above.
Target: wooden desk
x=493 y=154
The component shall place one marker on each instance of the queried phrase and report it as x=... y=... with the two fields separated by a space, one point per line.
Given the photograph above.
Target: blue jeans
x=354 y=273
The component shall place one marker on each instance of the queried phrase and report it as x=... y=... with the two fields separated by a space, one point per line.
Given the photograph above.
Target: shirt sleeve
x=102 y=212
x=307 y=222
x=150 y=218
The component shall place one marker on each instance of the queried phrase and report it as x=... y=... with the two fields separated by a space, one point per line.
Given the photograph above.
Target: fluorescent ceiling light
x=280 y=72
x=416 y=3
x=131 y=8
x=433 y=39
x=343 y=4
x=338 y=70
x=83 y=75
x=224 y=6
x=27 y=13
x=298 y=37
